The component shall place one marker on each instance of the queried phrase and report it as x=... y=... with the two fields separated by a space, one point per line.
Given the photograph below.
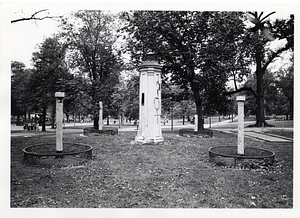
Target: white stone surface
x=196 y=123
x=241 y=145
x=59 y=117
x=100 y=115
x=241 y=98
x=149 y=130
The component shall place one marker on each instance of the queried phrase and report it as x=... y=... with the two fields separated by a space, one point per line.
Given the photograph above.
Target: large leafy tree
x=131 y=98
x=176 y=101
x=285 y=84
x=50 y=71
x=193 y=46
x=272 y=97
x=20 y=99
x=76 y=100
x=91 y=43
x=259 y=38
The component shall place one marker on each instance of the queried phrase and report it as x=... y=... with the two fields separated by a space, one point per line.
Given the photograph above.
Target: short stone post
x=59 y=117
x=100 y=115
x=240 y=102
x=196 y=123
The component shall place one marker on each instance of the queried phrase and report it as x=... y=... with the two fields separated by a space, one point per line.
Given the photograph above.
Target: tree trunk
x=53 y=117
x=291 y=101
x=260 y=119
x=18 y=119
x=44 y=118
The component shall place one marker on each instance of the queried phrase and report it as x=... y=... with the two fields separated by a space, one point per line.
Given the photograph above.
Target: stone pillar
x=59 y=118
x=149 y=102
x=196 y=123
x=100 y=115
x=240 y=102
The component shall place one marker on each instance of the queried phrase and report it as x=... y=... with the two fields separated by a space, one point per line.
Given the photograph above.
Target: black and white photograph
x=142 y=109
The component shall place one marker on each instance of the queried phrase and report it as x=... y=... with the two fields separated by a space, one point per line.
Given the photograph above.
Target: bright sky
x=25 y=35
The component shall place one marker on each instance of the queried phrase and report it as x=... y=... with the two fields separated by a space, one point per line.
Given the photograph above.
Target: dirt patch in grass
x=177 y=174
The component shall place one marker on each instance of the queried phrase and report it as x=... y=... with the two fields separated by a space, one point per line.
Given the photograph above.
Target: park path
x=225 y=126
x=256 y=133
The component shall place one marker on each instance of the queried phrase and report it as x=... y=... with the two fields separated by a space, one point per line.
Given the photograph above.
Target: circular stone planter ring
x=191 y=132
x=105 y=130
x=46 y=155
x=227 y=155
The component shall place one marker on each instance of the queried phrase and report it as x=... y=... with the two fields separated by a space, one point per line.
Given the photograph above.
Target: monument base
x=143 y=140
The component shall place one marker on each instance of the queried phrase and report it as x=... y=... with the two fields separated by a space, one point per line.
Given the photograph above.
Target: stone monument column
x=240 y=102
x=59 y=118
x=100 y=115
x=149 y=130
x=196 y=123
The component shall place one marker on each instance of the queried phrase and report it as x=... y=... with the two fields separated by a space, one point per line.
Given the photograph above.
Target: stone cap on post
x=59 y=94
x=149 y=61
x=241 y=98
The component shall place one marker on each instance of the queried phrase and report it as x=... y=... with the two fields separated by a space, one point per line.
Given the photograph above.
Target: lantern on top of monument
x=149 y=130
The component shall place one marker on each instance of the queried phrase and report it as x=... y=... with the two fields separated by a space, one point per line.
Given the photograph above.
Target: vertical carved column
x=59 y=117
x=100 y=115
x=240 y=102
x=196 y=123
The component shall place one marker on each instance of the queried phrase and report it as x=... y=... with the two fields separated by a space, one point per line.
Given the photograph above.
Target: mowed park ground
x=175 y=174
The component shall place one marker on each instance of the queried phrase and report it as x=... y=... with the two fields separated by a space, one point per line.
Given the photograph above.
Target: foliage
x=76 y=100
x=90 y=39
x=259 y=38
x=285 y=84
x=20 y=99
x=131 y=98
x=193 y=47
x=50 y=71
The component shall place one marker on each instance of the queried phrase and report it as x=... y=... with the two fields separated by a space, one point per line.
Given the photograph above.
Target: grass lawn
x=177 y=174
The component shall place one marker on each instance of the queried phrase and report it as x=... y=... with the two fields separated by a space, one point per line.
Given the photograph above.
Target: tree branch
x=33 y=17
x=249 y=89
x=275 y=54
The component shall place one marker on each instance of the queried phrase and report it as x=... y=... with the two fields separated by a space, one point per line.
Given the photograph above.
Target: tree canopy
x=194 y=47
x=50 y=71
x=259 y=38
x=90 y=39
x=200 y=51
